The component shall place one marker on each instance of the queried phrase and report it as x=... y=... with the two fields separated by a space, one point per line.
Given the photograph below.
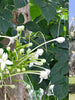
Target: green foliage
x=48 y=12
x=32 y=26
x=54 y=30
x=4 y=25
x=6 y=14
x=50 y=18
x=20 y=3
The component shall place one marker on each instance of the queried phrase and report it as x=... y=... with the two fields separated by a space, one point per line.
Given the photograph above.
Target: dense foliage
x=49 y=20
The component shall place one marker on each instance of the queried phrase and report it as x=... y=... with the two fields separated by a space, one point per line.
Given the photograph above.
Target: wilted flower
x=1 y=51
x=44 y=75
x=4 y=61
x=60 y=39
x=20 y=28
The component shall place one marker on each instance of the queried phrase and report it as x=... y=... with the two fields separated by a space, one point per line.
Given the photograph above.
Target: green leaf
x=4 y=25
x=61 y=90
x=35 y=81
x=34 y=11
x=63 y=68
x=55 y=30
x=62 y=55
x=32 y=26
x=20 y=3
x=21 y=18
x=48 y=12
x=41 y=3
x=6 y=14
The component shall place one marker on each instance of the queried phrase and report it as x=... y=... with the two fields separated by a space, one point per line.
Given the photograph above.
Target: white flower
x=21 y=51
x=47 y=71
x=12 y=39
x=44 y=75
x=39 y=51
x=1 y=51
x=60 y=39
x=51 y=87
x=4 y=61
x=50 y=90
x=20 y=28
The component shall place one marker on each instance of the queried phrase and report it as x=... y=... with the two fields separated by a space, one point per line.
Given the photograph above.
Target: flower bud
x=18 y=70
x=43 y=60
x=20 y=28
x=60 y=39
x=29 y=50
x=21 y=51
x=23 y=69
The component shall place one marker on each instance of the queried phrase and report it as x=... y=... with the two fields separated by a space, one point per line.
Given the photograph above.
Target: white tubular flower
x=60 y=39
x=39 y=51
x=1 y=51
x=44 y=75
x=21 y=51
x=4 y=61
x=20 y=28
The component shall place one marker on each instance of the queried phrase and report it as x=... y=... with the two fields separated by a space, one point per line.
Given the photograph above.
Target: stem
x=39 y=67
x=27 y=72
x=20 y=36
x=42 y=44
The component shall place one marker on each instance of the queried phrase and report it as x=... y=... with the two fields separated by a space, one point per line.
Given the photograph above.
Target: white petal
x=1 y=51
x=31 y=64
x=3 y=65
x=8 y=62
x=39 y=51
x=41 y=79
x=4 y=56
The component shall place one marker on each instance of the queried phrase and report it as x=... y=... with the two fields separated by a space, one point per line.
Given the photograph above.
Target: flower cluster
x=22 y=59
x=38 y=53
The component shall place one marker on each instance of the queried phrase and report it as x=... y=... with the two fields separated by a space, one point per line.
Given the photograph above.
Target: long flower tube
x=62 y=39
